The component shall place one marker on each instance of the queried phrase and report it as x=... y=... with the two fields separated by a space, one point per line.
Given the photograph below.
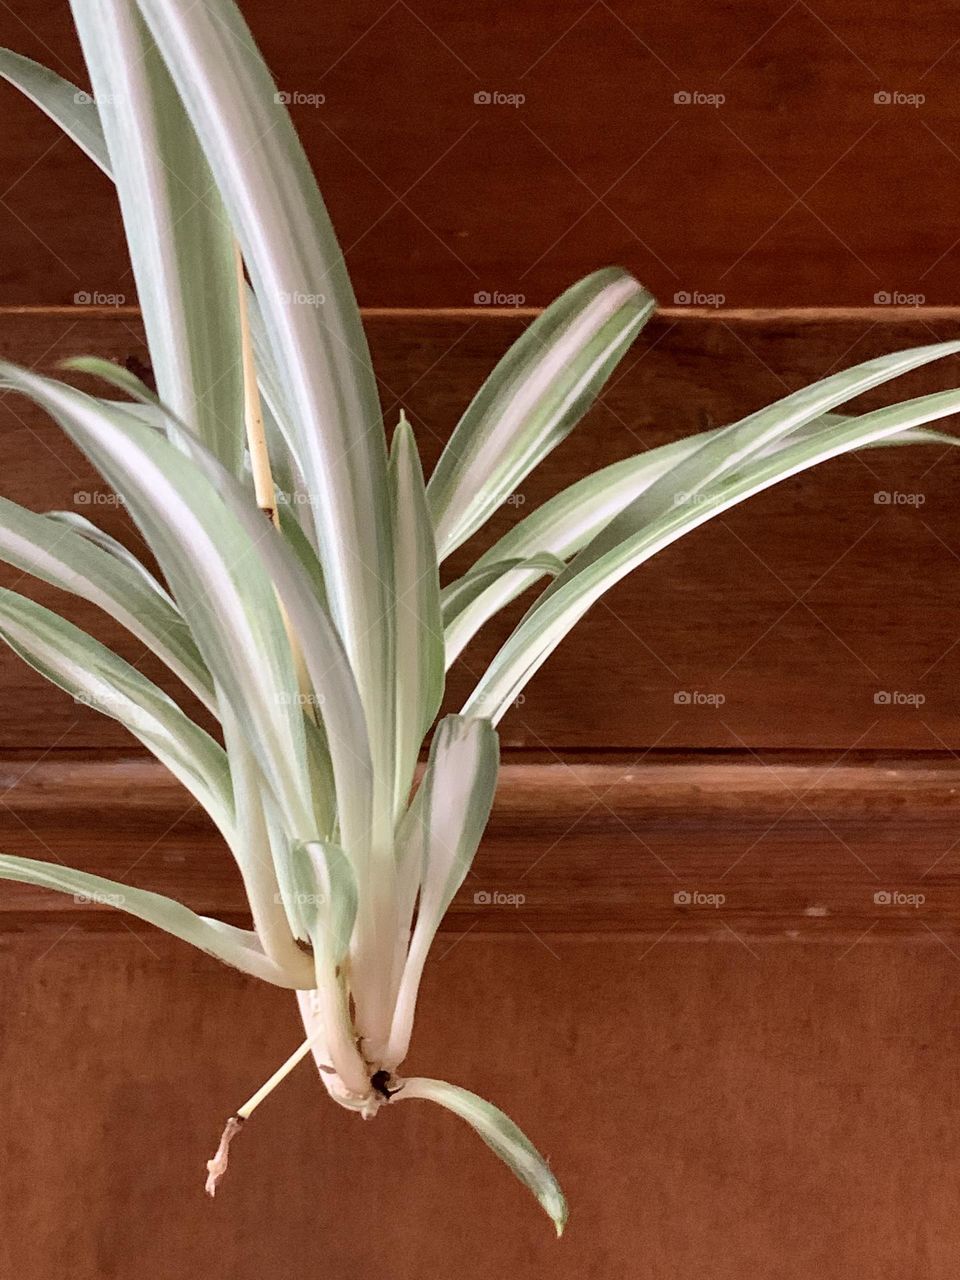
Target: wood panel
x=743 y=848
x=814 y=617
x=786 y=1111
x=799 y=188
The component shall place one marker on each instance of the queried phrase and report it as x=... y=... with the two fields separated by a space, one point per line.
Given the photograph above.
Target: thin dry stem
x=217 y=1167
x=263 y=486
x=264 y=489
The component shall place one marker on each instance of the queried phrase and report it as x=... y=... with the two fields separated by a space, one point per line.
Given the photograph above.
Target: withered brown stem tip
x=217 y=1167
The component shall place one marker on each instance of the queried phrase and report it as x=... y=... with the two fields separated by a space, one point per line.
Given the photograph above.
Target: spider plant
x=299 y=594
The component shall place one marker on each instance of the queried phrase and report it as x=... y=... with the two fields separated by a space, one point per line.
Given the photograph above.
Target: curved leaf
x=501 y=1135
x=634 y=537
x=236 y=947
x=533 y=399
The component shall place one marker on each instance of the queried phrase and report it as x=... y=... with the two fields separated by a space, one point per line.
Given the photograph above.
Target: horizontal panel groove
x=822 y=848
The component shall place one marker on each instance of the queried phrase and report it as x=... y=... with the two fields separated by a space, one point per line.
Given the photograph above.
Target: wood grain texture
x=822 y=617
x=787 y=1112
x=749 y=849
x=799 y=188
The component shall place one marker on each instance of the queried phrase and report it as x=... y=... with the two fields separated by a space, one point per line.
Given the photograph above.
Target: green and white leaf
x=327 y=896
x=501 y=1135
x=634 y=537
x=436 y=844
x=472 y=600
x=237 y=947
x=97 y=677
x=533 y=399
x=49 y=549
x=213 y=570
x=178 y=233
x=420 y=639
x=99 y=537
x=66 y=104
x=320 y=352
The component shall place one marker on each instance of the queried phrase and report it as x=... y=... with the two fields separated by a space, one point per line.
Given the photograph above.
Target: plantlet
x=301 y=597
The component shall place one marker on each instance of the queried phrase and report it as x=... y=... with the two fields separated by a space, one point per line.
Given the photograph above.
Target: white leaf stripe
x=320 y=351
x=437 y=842
x=95 y=675
x=566 y=601
x=533 y=399
x=212 y=568
x=50 y=550
x=236 y=947
x=501 y=1135
x=73 y=110
x=477 y=596
x=419 y=644
x=178 y=234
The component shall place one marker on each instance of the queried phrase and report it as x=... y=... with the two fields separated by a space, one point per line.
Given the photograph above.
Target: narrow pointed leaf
x=533 y=399
x=320 y=352
x=472 y=600
x=437 y=842
x=419 y=641
x=97 y=677
x=99 y=537
x=212 y=567
x=639 y=537
x=179 y=235
x=501 y=1135
x=237 y=947
x=51 y=551
x=66 y=104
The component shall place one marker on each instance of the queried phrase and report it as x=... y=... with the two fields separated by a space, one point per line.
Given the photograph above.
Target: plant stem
x=263 y=486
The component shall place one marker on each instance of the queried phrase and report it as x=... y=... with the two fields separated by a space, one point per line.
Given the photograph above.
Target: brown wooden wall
x=725 y=1000
x=799 y=189
x=725 y=1003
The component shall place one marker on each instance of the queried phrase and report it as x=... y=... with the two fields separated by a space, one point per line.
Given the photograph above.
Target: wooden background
x=726 y=1004
x=798 y=190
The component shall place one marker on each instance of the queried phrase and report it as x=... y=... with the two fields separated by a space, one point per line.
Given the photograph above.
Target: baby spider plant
x=299 y=597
